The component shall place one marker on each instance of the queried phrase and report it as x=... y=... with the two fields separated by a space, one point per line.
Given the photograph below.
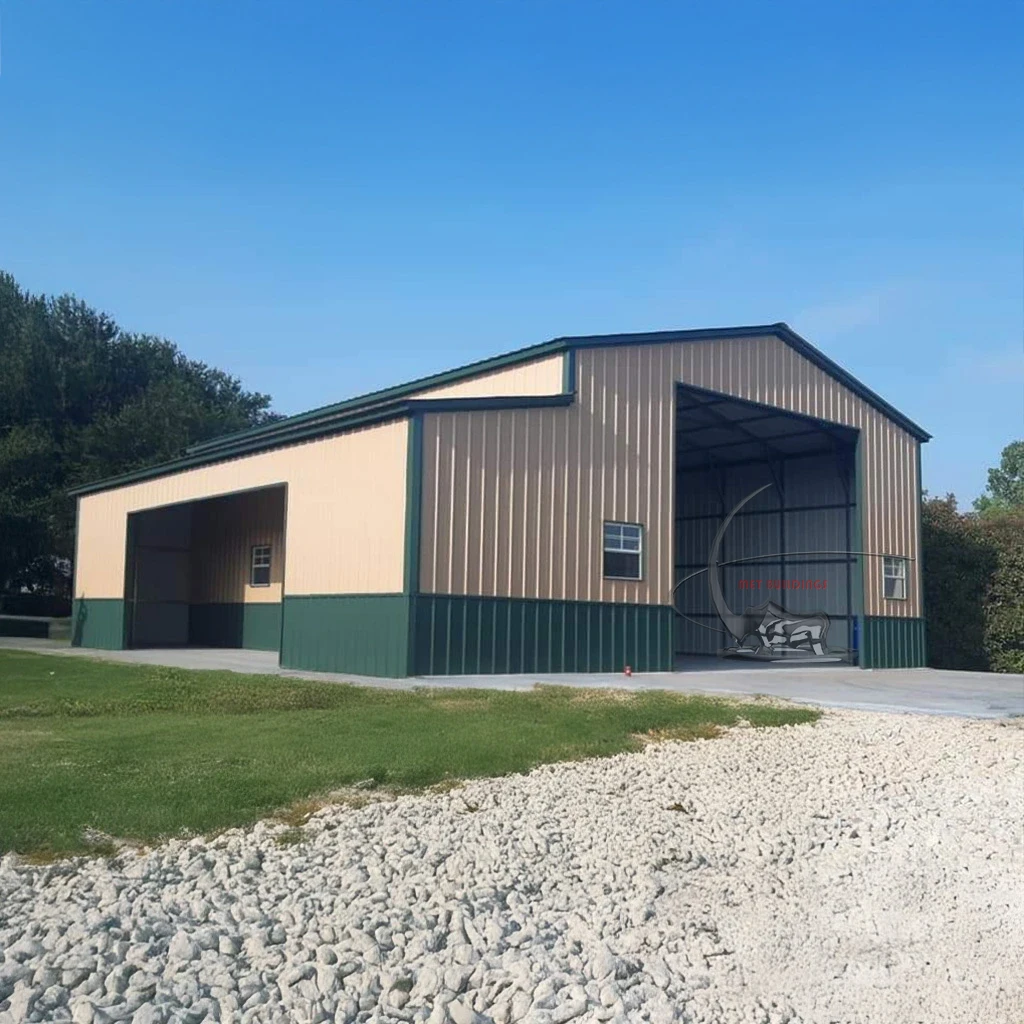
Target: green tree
x=80 y=400
x=1005 y=482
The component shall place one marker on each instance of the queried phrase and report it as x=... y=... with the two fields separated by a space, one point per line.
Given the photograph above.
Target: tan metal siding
x=541 y=491
x=99 y=565
x=345 y=517
x=540 y=377
x=224 y=532
x=544 y=480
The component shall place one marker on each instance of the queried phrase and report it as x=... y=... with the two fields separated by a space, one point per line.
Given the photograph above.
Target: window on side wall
x=259 y=572
x=894 y=578
x=623 y=551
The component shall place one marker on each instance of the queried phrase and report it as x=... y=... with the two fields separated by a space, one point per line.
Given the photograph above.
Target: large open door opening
x=207 y=573
x=782 y=583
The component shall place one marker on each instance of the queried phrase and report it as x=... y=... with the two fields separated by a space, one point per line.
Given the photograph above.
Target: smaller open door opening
x=207 y=573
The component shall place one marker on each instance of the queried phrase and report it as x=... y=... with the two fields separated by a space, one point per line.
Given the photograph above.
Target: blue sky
x=326 y=198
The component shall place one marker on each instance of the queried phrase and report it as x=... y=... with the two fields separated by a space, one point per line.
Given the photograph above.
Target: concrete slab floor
x=915 y=690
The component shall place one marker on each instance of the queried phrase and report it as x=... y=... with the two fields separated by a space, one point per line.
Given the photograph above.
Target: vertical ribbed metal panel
x=346 y=512
x=514 y=500
x=224 y=532
x=457 y=634
x=367 y=634
x=98 y=623
x=893 y=642
x=545 y=479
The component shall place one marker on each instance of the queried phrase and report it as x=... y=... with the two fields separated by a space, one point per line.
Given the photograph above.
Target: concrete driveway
x=917 y=690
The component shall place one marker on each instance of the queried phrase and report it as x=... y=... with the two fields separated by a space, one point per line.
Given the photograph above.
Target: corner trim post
x=859 y=609
x=413 y=503
x=413 y=532
x=569 y=372
x=922 y=611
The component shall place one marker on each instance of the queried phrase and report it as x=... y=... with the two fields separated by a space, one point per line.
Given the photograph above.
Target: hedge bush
x=1004 y=602
x=46 y=605
x=973 y=569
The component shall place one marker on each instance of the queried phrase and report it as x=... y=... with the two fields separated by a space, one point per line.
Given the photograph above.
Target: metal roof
x=779 y=330
x=395 y=402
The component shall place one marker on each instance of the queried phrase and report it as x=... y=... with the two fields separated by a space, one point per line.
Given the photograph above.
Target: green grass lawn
x=142 y=752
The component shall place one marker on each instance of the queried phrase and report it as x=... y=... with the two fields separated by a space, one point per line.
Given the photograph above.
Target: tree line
x=82 y=399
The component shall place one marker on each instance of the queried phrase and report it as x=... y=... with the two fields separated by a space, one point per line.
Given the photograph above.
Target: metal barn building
x=532 y=512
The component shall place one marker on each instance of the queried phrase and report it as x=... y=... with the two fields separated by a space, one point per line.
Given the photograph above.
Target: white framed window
x=894 y=578
x=623 y=551
x=259 y=572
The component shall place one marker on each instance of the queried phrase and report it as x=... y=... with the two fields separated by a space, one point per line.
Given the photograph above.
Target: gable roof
x=523 y=355
x=399 y=400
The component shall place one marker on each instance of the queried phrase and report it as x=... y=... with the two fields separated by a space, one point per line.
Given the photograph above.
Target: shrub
x=974 y=587
x=45 y=605
x=958 y=565
x=1004 y=600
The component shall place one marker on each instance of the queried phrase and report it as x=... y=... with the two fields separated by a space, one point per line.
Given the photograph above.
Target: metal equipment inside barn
x=798 y=528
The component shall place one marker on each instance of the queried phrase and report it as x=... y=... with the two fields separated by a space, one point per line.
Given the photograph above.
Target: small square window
x=894 y=578
x=259 y=573
x=623 y=551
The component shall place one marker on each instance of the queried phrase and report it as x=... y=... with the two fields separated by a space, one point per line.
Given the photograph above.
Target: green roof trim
x=308 y=431
x=780 y=330
x=399 y=402
x=570 y=345
x=398 y=391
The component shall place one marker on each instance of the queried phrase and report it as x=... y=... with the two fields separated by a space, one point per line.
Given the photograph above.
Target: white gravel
x=866 y=868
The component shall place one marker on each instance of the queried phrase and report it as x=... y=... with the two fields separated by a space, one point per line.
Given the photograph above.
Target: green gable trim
x=365 y=634
x=398 y=391
x=253 y=626
x=571 y=344
x=98 y=622
x=421 y=405
x=779 y=330
x=500 y=362
x=890 y=642
x=413 y=503
x=459 y=635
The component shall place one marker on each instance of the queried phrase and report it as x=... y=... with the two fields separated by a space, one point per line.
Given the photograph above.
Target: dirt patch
x=682 y=733
x=595 y=696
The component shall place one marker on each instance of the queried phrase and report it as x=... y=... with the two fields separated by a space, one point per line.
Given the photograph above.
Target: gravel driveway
x=866 y=868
